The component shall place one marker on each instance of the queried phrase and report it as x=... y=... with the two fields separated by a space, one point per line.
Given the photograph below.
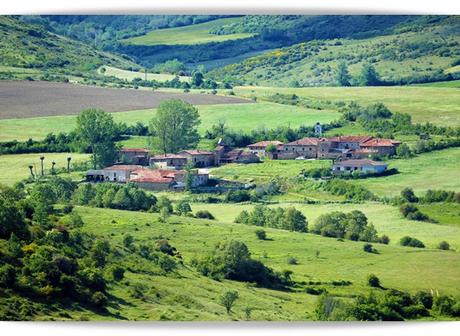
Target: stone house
x=134 y=156
x=168 y=161
x=166 y=179
x=115 y=173
x=361 y=165
x=199 y=158
x=258 y=148
x=381 y=146
x=305 y=147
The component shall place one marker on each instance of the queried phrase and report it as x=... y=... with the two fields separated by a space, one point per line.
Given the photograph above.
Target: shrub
x=7 y=276
x=373 y=280
x=384 y=240
x=228 y=299
x=424 y=298
x=99 y=299
x=67 y=208
x=369 y=248
x=412 y=242
x=118 y=273
x=261 y=234
x=128 y=240
x=444 y=245
x=292 y=261
x=183 y=208
x=444 y=305
x=408 y=195
x=166 y=263
x=237 y=196
x=204 y=214
x=164 y=247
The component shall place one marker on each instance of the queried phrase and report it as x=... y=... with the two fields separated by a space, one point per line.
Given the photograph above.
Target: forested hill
x=420 y=49
x=24 y=45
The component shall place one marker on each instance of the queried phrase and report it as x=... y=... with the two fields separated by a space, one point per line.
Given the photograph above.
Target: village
x=190 y=168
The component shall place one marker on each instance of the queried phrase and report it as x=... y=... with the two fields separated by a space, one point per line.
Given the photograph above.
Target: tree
x=228 y=299
x=174 y=126
x=408 y=195
x=271 y=148
x=343 y=76
x=369 y=76
x=197 y=79
x=261 y=234
x=183 y=208
x=118 y=273
x=373 y=280
x=11 y=219
x=403 y=151
x=444 y=245
x=97 y=130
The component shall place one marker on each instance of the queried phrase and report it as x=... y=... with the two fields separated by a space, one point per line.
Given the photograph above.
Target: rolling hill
x=423 y=50
x=31 y=47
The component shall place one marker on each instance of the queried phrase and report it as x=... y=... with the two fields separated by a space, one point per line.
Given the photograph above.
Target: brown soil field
x=23 y=99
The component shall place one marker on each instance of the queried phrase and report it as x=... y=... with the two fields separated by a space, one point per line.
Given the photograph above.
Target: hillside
x=421 y=51
x=34 y=48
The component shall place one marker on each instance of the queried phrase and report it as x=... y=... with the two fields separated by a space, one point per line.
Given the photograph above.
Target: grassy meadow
x=440 y=106
x=244 y=117
x=15 y=167
x=187 y=35
x=434 y=170
x=130 y=75
x=186 y=295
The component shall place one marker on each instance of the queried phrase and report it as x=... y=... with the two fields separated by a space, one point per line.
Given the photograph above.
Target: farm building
x=339 y=147
x=116 y=173
x=364 y=166
x=258 y=148
x=381 y=146
x=164 y=179
x=136 y=156
x=199 y=158
x=225 y=154
x=169 y=161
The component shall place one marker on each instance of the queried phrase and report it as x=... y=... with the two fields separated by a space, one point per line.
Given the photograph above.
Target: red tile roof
x=304 y=142
x=124 y=167
x=350 y=138
x=169 y=156
x=143 y=150
x=155 y=176
x=266 y=143
x=360 y=163
x=376 y=142
x=197 y=152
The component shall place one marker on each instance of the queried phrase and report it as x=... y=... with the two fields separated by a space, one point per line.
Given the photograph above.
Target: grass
x=435 y=170
x=130 y=75
x=444 y=213
x=187 y=35
x=386 y=219
x=244 y=117
x=446 y=84
x=440 y=106
x=186 y=295
x=267 y=170
x=14 y=168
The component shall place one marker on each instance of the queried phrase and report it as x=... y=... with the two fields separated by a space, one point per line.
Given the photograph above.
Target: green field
x=440 y=106
x=130 y=75
x=244 y=117
x=435 y=170
x=447 y=84
x=187 y=35
x=186 y=295
x=267 y=170
x=386 y=219
x=14 y=168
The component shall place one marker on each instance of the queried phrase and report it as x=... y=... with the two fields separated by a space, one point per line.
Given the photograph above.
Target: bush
x=408 y=195
x=237 y=196
x=373 y=280
x=7 y=276
x=384 y=240
x=444 y=246
x=412 y=242
x=261 y=234
x=424 y=298
x=118 y=273
x=128 y=240
x=369 y=248
x=444 y=305
x=67 y=208
x=292 y=261
x=205 y=214
x=99 y=299
x=183 y=208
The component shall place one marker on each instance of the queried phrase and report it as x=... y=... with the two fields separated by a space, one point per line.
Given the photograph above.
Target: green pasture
x=440 y=106
x=434 y=170
x=187 y=35
x=130 y=75
x=244 y=117
x=386 y=219
x=186 y=295
x=15 y=167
